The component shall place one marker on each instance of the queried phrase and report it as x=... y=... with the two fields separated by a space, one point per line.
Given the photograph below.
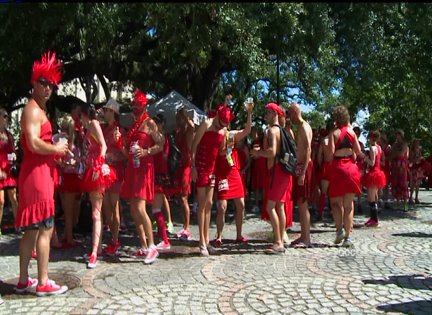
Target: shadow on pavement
x=415 y=281
x=414 y=307
x=413 y=234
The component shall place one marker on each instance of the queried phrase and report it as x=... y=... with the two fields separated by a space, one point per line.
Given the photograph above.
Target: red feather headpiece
x=140 y=98
x=49 y=68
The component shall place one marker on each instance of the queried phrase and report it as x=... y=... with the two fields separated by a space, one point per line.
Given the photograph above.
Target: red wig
x=140 y=99
x=49 y=68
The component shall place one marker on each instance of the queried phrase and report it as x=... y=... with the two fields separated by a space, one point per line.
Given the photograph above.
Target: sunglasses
x=5 y=116
x=46 y=83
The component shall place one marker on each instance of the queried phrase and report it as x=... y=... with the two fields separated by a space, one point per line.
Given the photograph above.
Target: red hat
x=140 y=98
x=276 y=108
x=49 y=68
x=224 y=113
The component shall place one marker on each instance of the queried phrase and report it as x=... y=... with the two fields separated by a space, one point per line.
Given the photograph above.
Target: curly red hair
x=48 y=67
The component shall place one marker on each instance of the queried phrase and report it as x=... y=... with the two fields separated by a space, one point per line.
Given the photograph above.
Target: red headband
x=275 y=107
x=49 y=68
x=140 y=99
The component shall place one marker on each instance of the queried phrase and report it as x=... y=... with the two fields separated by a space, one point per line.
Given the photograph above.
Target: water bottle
x=135 y=160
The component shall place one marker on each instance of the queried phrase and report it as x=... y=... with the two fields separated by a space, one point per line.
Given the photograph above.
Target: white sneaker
x=339 y=236
x=347 y=243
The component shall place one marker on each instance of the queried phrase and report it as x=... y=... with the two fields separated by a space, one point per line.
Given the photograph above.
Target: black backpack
x=287 y=156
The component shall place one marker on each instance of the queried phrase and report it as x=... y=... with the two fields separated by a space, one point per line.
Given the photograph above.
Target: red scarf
x=134 y=128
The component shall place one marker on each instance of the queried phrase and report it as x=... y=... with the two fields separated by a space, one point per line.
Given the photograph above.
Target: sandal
x=302 y=245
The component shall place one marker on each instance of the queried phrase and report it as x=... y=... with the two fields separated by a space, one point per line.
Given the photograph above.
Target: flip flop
x=275 y=251
x=301 y=245
x=295 y=242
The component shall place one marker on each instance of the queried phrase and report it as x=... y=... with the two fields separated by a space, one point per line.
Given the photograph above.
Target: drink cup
x=10 y=158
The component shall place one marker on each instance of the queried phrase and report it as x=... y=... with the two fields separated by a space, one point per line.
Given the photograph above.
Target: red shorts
x=303 y=193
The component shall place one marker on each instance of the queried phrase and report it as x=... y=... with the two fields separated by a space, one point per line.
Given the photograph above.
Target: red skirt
x=230 y=187
x=139 y=182
x=100 y=183
x=70 y=182
x=373 y=179
x=344 y=178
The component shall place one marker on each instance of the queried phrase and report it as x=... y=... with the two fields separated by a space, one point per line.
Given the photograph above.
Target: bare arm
x=198 y=136
x=308 y=138
x=239 y=135
x=158 y=138
x=97 y=130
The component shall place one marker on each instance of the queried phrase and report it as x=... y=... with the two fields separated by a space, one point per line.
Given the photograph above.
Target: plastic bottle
x=135 y=160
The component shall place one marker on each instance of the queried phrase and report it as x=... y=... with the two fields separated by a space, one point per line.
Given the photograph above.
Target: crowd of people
x=93 y=155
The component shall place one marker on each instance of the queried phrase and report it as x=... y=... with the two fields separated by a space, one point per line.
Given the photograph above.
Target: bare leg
x=13 y=200
x=240 y=208
x=68 y=203
x=43 y=251
x=220 y=219
x=274 y=219
x=2 y=201
x=348 y=214
x=27 y=244
x=304 y=221
x=186 y=212
x=96 y=201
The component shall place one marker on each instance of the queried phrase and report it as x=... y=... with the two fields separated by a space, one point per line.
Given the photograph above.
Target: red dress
x=375 y=177
x=344 y=173
x=139 y=182
x=36 y=183
x=205 y=158
x=5 y=149
x=115 y=160
x=183 y=175
x=228 y=180
x=93 y=162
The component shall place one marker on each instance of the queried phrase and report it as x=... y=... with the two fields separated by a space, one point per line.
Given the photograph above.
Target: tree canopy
x=371 y=57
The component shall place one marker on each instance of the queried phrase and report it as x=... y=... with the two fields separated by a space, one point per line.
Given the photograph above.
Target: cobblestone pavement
x=389 y=270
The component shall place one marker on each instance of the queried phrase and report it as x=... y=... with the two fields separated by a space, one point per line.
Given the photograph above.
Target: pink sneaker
x=50 y=288
x=142 y=252
x=184 y=235
x=371 y=223
x=87 y=256
x=151 y=256
x=163 y=246
x=30 y=286
x=92 y=262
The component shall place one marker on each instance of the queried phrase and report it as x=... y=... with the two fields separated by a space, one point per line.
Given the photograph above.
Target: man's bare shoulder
x=32 y=113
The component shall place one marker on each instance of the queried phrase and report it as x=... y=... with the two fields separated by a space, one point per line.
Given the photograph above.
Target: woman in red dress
x=229 y=182
x=344 y=175
x=97 y=176
x=417 y=173
x=206 y=146
x=7 y=158
x=399 y=167
x=116 y=160
x=36 y=206
x=374 y=178
x=141 y=143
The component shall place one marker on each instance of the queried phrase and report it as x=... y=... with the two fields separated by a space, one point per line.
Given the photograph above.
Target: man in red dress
x=36 y=199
